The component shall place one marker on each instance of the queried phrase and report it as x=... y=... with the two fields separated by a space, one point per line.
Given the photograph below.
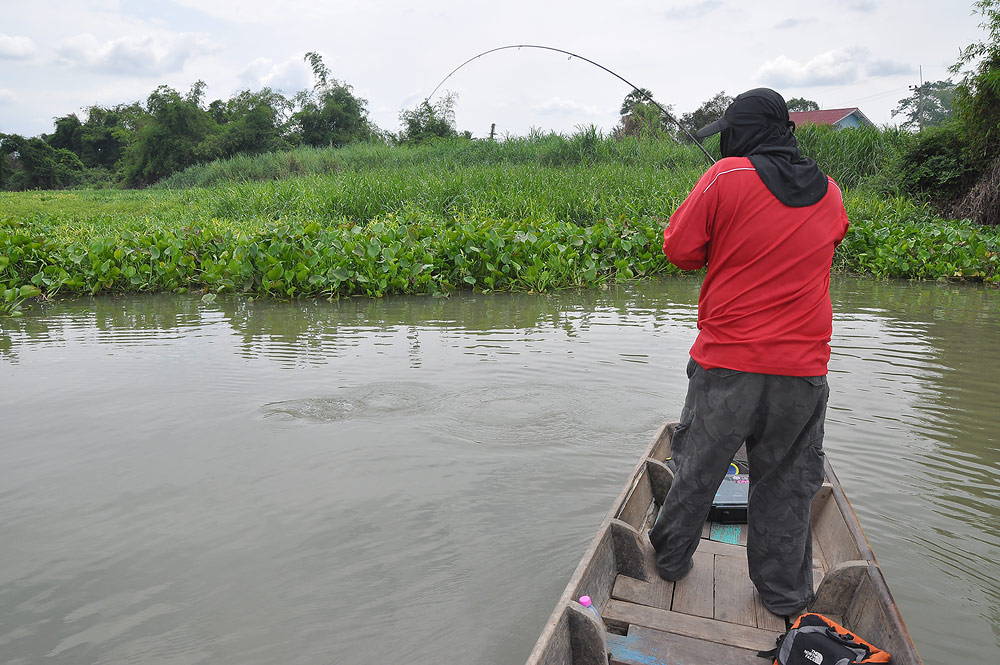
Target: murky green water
x=413 y=480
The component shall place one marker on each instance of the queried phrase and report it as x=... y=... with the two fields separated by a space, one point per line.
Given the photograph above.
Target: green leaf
x=29 y=291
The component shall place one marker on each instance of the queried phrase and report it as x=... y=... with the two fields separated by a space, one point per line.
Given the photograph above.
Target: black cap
x=760 y=106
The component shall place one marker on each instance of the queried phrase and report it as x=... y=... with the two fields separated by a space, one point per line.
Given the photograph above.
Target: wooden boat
x=714 y=614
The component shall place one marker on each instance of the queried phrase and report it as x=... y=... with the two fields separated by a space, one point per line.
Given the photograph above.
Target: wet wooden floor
x=713 y=615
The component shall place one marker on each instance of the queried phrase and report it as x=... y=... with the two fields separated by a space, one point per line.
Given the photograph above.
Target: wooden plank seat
x=644 y=646
x=622 y=615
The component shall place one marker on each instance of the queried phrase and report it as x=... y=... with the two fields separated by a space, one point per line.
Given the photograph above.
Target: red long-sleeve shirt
x=765 y=302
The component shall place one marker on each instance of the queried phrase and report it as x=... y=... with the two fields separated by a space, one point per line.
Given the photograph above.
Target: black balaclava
x=756 y=125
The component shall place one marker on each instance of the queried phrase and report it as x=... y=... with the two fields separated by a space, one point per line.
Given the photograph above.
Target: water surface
x=415 y=479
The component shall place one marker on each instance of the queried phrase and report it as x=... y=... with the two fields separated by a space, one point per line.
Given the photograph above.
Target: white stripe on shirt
x=750 y=168
x=742 y=168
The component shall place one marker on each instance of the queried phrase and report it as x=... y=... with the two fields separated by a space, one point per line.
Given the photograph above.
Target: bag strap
x=849 y=641
x=772 y=654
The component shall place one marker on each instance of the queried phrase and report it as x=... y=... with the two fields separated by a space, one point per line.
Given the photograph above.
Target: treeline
x=956 y=164
x=137 y=144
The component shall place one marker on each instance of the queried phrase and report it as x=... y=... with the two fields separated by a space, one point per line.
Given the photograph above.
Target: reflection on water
x=402 y=480
x=925 y=395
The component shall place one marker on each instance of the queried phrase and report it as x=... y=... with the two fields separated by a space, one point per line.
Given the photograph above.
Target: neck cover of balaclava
x=756 y=125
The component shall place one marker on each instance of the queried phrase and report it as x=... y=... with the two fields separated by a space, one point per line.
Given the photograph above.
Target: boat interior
x=714 y=614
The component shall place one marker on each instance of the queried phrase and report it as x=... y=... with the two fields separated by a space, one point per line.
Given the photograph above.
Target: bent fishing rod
x=634 y=87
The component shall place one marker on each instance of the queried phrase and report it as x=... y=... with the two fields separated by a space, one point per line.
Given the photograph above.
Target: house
x=839 y=118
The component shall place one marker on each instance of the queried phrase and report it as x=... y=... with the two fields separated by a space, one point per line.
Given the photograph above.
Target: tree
x=427 y=122
x=98 y=142
x=929 y=105
x=31 y=163
x=169 y=139
x=330 y=114
x=641 y=117
x=335 y=119
x=637 y=96
x=802 y=104
x=957 y=163
x=249 y=123
x=68 y=134
x=977 y=105
x=978 y=97
x=707 y=113
x=107 y=132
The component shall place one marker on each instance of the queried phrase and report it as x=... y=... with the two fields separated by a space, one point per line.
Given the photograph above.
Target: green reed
x=587 y=147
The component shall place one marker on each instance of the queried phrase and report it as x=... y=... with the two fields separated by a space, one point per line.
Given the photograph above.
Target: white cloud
x=7 y=97
x=693 y=10
x=838 y=67
x=863 y=6
x=16 y=48
x=888 y=68
x=831 y=68
x=144 y=55
x=413 y=98
x=269 y=13
x=790 y=23
x=287 y=77
x=557 y=106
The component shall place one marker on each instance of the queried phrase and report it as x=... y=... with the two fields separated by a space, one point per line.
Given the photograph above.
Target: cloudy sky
x=58 y=56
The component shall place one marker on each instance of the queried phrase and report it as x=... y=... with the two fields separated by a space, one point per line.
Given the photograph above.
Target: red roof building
x=839 y=118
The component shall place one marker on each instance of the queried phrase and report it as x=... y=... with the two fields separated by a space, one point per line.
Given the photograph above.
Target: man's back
x=765 y=304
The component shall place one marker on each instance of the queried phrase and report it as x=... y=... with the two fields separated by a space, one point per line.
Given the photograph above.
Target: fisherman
x=766 y=221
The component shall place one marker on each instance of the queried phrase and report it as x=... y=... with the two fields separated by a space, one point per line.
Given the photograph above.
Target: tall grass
x=581 y=178
x=863 y=156
x=856 y=157
x=583 y=195
x=587 y=147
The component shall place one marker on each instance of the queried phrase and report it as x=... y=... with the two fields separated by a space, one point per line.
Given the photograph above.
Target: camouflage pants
x=780 y=418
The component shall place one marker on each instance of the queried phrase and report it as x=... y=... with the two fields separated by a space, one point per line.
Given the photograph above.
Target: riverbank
x=432 y=220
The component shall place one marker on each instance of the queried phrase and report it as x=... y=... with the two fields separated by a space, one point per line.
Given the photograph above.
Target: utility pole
x=920 y=97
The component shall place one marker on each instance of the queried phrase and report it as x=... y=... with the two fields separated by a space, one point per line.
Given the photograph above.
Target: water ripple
x=259 y=482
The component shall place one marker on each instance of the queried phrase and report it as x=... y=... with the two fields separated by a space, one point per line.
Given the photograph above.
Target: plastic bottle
x=589 y=604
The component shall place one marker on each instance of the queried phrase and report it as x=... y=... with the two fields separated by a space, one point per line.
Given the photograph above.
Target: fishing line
x=588 y=60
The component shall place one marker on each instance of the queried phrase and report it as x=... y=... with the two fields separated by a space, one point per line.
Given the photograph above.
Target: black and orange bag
x=814 y=640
